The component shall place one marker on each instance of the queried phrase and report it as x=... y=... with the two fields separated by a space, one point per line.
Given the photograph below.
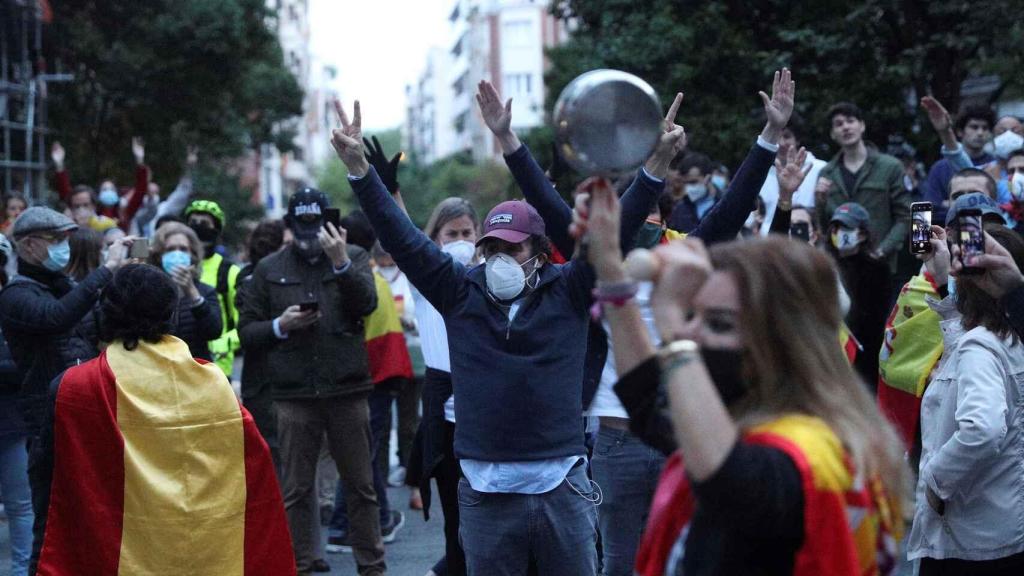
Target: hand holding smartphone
x=920 y=227
x=332 y=215
x=970 y=237
x=139 y=249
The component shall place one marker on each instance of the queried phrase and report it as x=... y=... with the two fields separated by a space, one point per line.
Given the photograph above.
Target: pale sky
x=378 y=46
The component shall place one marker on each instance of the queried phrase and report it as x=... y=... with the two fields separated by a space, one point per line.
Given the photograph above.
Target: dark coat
x=198 y=326
x=40 y=311
x=328 y=359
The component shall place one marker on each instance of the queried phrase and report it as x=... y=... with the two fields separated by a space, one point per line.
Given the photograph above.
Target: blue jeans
x=502 y=533
x=17 y=500
x=627 y=471
x=380 y=416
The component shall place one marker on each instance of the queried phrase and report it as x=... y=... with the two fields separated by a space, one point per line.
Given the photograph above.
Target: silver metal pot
x=607 y=122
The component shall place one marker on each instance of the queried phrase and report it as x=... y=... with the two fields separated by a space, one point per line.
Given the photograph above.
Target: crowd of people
x=684 y=370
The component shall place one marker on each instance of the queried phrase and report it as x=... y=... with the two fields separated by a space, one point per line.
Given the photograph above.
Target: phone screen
x=800 y=230
x=309 y=305
x=971 y=239
x=139 y=249
x=921 y=228
x=333 y=215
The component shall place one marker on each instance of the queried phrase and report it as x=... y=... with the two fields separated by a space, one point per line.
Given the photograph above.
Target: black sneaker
x=321 y=565
x=339 y=544
x=389 y=531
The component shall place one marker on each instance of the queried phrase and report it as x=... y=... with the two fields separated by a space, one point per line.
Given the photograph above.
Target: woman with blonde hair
x=178 y=252
x=789 y=467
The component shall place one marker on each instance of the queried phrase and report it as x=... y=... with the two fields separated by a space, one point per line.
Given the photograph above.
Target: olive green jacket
x=880 y=190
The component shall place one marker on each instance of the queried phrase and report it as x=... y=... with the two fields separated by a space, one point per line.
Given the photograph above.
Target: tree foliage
x=881 y=54
x=208 y=72
x=424 y=186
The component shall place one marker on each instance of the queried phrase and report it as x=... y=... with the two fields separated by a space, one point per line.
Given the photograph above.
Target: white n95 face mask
x=461 y=251
x=1005 y=143
x=505 y=277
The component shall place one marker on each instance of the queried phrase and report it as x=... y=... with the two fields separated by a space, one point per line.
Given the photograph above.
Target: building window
x=521 y=84
x=518 y=32
x=459 y=86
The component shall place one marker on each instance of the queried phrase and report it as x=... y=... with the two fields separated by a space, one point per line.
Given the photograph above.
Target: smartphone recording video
x=920 y=227
x=971 y=238
x=139 y=249
x=800 y=231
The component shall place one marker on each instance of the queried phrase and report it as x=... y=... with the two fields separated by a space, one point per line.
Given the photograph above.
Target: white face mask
x=505 y=276
x=461 y=251
x=696 y=192
x=1007 y=142
x=846 y=240
x=1016 y=186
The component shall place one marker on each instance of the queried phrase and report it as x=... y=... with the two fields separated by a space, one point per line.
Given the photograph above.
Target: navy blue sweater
x=517 y=382
x=721 y=224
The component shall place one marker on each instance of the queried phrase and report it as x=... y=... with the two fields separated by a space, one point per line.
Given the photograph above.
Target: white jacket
x=972 y=436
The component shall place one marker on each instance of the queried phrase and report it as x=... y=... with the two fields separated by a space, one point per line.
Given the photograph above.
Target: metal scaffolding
x=23 y=93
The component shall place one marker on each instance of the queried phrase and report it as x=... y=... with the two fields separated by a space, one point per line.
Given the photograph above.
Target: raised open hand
x=937 y=114
x=386 y=169
x=791 y=172
x=192 y=155
x=779 y=107
x=57 y=155
x=138 y=150
x=496 y=115
x=347 y=140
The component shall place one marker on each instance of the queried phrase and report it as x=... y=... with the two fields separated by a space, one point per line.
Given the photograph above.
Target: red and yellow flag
x=850 y=527
x=912 y=348
x=385 y=340
x=159 y=470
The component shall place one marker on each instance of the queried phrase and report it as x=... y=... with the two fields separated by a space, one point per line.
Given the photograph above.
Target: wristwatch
x=678 y=348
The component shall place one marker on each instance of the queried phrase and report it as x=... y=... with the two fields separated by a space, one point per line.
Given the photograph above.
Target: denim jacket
x=972 y=435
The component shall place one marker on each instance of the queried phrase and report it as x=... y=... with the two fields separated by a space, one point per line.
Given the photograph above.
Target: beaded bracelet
x=615 y=293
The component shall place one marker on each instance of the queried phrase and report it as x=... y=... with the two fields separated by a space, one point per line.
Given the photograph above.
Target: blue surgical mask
x=718 y=181
x=175 y=259
x=109 y=197
x=696 y=192
x=57 y=256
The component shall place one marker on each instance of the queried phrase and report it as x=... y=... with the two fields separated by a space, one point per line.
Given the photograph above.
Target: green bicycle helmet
x=206 y=207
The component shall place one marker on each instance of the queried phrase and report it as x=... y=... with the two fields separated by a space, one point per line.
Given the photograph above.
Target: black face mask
x=309 y=250
x=726 y=370
x=206 y=234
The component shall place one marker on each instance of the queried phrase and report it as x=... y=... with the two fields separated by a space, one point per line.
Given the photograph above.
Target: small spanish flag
x=158 y=470
x=385 y=340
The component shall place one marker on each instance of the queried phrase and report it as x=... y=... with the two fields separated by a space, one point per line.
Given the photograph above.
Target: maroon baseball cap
x=513 y=221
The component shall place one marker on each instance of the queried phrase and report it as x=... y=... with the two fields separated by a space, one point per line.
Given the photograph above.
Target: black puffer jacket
x=40 y=311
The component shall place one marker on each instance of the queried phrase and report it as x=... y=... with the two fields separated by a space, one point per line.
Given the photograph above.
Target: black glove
x=386 y=169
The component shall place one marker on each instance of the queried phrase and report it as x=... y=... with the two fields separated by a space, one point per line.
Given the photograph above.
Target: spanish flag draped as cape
x=157 y=469
x=912 y=348
x=385 y=340
x=850 y=527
